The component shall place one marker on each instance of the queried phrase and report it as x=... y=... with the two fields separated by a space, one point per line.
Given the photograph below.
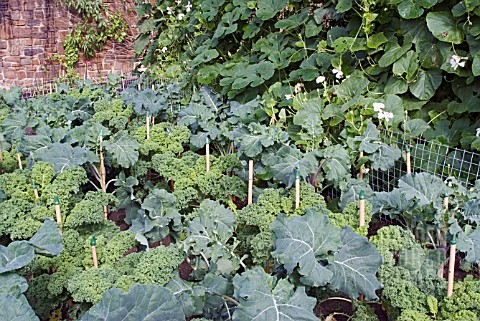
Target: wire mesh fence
x=427 y=156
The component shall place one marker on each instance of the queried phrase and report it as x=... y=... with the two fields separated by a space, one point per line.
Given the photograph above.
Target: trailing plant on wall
x=98 y=24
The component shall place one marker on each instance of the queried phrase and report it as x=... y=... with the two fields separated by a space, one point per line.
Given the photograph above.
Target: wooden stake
x=297 y=189
x=35 y=191
x=147 y=120
x=250 y=182
x=103 y=173
x=123 y=80
x=362 y=208
x=207 y=154
x=139 y=87
x=362 y=168
x=93 y=243
x=451 y=266
x=408 y=159
x=51 y=89
x=19 y=160
x=1 y=156
x=56 y=203
x=445 y=202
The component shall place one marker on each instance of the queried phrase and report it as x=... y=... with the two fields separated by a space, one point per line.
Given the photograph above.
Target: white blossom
x=180 y=16
x=338 y=72
x=456 y=61
x=169 y=11
x=287 y=97
x=164 y=49
x=188 y=6
x=478 y=132
x=298 y=87
x=178 y=1
x=378 y=107
x=365 y=170
x=320 y=79
x=385 y=115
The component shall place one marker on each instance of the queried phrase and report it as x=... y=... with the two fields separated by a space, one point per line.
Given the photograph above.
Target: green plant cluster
x=97 y=26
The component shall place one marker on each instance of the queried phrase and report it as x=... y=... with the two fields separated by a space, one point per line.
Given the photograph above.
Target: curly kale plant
x=112 y=112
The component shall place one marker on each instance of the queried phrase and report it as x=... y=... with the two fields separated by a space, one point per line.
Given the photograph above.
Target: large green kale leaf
x=303 y=242
x=263 y=297
x=355 y=266
x=141 y=302
x=123 y=148
x=285 y=161
x=63 y=156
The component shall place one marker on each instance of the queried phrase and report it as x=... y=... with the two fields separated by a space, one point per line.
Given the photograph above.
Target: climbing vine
x=98 y=25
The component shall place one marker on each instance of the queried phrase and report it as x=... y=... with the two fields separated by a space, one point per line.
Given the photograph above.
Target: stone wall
x=32 y=30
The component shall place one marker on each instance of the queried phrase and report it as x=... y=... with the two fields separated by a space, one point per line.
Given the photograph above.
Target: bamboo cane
x=19 y=160
x=362 y=208
x=362 y=167
x=103 y=173
x=35 y=191
x=93 y=243
x=297 y=189
x=58 y=215
x=451 y=266
x=408 y=160
x=250 y=182
x=147 y=120
x=442 y=266
x=207 y=154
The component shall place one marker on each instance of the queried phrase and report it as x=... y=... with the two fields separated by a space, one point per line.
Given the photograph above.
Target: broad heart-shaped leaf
x=408 y=65
x=444 y=28
x=63 y=156
x=269 y=8
x=15 y=256
x=415 y=127
x=391 y=203
x=303 y=242
x=288 y=159
x=425 y=188
x=123 y=148
x=262 y=297
x=47 y=240
x=146 y=302
x=355 y=265
x=16 y=308
x=469 y=242
x=210 y=231
x=427 y=83
x=393 y=51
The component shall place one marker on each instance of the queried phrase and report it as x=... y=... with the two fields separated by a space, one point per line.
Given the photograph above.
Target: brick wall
x=32 y=30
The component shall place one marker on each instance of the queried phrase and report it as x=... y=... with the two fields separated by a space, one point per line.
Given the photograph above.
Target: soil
x=342 y=309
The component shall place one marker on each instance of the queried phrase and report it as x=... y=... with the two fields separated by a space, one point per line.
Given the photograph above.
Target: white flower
x=320 y=79
x=287 y=97
x=378 y=107
x=338 y=72
x=169 y=11
x=298 y=87
x=178 y=1
x=387 y=115
x=180 y=16
x=365 y=170
x=164 y=49
x=188 y=6
x=456 y=61
x=478 y=132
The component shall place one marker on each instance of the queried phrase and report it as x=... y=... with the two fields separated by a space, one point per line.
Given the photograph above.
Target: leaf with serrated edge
x=261 y=297
x=355 y=266
x=302 y=241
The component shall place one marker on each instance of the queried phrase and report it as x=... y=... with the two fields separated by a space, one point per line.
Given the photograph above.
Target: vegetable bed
x=146 y=205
